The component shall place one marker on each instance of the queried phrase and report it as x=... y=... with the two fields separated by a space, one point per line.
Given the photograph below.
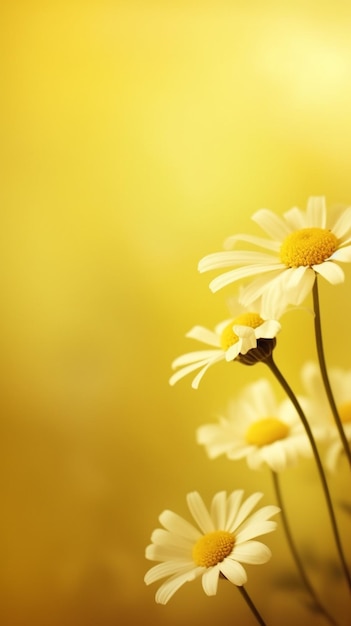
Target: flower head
x=230 y=339
x=301 y=245
x=259 y=429
x=318 y=409
x=222 y=540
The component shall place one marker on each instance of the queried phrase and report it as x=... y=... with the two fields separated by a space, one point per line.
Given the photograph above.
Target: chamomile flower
x=318 y=409
x=301 y=245
x=259 y=429
x=230 y=339
x=223 y=539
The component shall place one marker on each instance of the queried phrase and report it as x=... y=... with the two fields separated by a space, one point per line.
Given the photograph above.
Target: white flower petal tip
x=215 y=544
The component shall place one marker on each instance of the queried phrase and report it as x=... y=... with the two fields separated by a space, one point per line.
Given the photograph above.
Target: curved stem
x=294 y=552
x=323 y=369
x=274 y=369
x=251 y=606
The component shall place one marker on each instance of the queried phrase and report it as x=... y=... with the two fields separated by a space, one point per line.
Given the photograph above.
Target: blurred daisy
x=317 y=408
x=222 y=540
x=229 y=340
x=302 y=245
x=259 y=429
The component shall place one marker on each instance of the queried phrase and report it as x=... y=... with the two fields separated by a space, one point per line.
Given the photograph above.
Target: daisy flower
x=318 y=410
x=229 y=340
x=301 y=245
x=222 y=540
x=259 y=429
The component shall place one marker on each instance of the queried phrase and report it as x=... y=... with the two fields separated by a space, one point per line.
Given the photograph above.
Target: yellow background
x=135 y=137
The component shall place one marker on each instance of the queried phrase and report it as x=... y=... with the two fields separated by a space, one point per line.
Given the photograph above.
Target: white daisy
x=223 y=540
x=258 y=428
x=302 y=245
x=229 y=340
x=318 y=410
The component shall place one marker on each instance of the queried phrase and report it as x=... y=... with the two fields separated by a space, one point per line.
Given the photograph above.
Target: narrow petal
x=295 y=218
x=169 y=588
x=233 y=504
x=199 y=356
x=332 y=272
x=343 y=255
x=253 y=552
x=272 y=224
x=155 y=552
x=170 y=568
x=219 y=509
x=178 y=525
x=218 y=260
x=343 y=224
x=200 y=333
x=210 y=581
x=257 y=241
x=162 y=537
x=185 y=370
x=234 y=571
x=316 y=212
x=246 y=508
x=199 y=376
x=255 y=530
x=199 y=512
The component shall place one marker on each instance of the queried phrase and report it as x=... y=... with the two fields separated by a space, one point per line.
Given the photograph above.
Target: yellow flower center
x=228 y=336
x=345 y=412
x=213 y=547
x=266 y=431
x=308 y=246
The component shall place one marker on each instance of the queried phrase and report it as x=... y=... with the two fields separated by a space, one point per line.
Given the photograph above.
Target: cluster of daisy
x=303 y=246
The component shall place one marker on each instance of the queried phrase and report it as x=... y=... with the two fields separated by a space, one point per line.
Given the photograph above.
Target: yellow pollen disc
x=228 y=336
x=266 y=431
x=345 y=412
x=308 y=246
x=213 y=547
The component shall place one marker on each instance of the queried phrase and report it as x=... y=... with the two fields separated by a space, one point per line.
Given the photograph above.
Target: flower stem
x=323 y=369
x=294 y=552
x=275 y=370
x=251 y=605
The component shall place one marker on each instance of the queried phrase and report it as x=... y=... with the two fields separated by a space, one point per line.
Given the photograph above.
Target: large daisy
x=229 y=340
x=259 y=429
x=222 y=540
x=301 y=245
x=318 y=410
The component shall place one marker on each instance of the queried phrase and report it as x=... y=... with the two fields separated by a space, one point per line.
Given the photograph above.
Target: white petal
x=167 y=552
x=169 y=588
x=162 y=537
x=199 y=512
x=253 y=552
x=257 y=241
x=246 y=508
x=234 y=571
x=343 y=255
x=200 y=333
x=330 y=271
x=170 y=568
x=178 y=525
x=219 y=509
x=272 y=224
x=210 y=581
x=218 y=260
x=233 y=505
x=299 y=284
x=243 y=272
x=343 y=224
x=316 y=212
x=268 y=329
x=295 y=218
x=200 y=357
x=184 y=371
x=199 y=376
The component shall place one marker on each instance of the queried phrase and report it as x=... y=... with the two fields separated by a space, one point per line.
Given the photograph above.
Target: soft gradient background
x=135 y=137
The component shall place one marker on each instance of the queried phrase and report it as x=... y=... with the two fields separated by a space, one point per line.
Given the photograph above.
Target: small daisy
x=258 y=428
x=302 y=245
x=229 y=340
x=219 y=545
x=318 y=410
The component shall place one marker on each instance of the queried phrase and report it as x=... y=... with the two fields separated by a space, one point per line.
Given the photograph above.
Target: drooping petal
x=343 y=225
x=210 y=580
x=234 y=571
x=342 y=255
x=169 y=588
x=332 y=272
x=199 y=356
x=199 y=376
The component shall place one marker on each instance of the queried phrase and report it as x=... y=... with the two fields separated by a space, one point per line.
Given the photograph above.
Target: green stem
x=274 y=369
x=251 y=605
x=324 y=373
x=294 y=551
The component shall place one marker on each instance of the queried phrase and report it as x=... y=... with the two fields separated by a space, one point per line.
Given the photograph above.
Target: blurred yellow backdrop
x=135 y=137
